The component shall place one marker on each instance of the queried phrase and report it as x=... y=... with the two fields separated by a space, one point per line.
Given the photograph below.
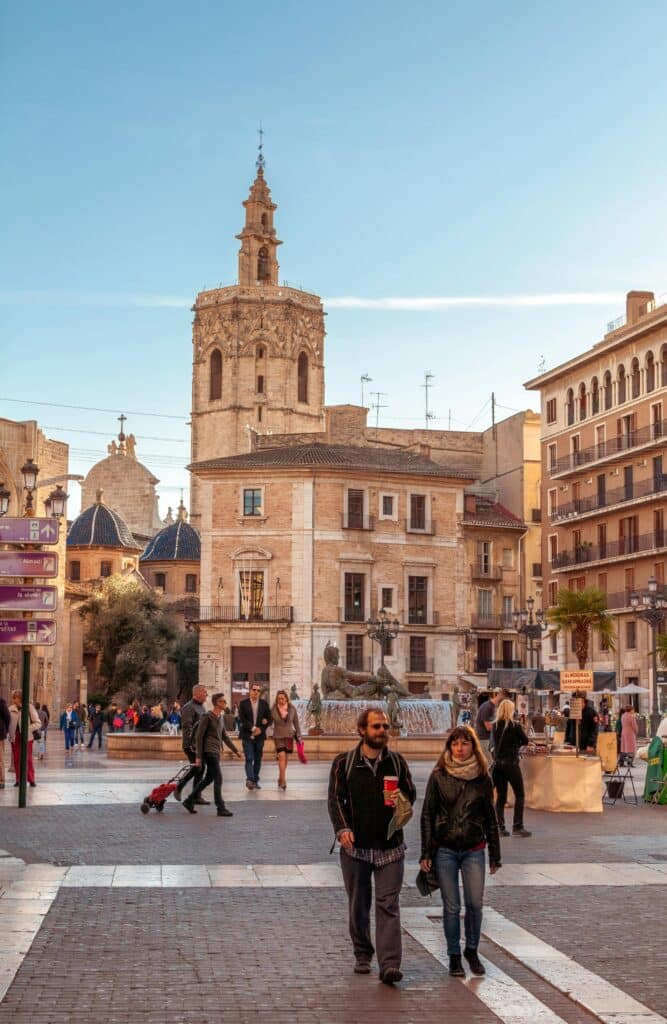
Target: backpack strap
x=349 y=761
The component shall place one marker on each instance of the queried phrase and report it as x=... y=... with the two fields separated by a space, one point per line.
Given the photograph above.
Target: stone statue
x=393 y=710
x=314 y=708
x=130 y=444
x=339 y=684
x=293 y=694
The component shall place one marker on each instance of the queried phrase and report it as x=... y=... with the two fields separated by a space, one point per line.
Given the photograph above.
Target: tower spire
x=261 y=163
x=258 y=262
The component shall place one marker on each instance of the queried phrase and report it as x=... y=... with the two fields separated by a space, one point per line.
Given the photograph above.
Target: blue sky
x=434 y=152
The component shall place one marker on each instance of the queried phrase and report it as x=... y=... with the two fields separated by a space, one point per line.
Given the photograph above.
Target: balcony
x=351 y=613
x=653 y=433
x=233 y=613
x=420 y=666
x=478 y=621
x=537 y=571
x=621 y=599
x=357 y=521
x=482 y=665
x=595 y=502
x=427 y=529
x=644 y=543
x=483 y=570
x=420 y=617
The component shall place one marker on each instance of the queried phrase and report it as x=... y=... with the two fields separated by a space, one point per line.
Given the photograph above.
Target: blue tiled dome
x=99 y=526
x=177 y=541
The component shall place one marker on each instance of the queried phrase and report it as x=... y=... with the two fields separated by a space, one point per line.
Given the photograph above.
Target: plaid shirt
x=378 y=857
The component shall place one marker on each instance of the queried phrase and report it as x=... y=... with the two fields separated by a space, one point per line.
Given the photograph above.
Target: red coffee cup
x=390 y=786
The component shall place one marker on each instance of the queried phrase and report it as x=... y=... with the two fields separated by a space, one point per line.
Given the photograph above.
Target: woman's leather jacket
x=459 y=814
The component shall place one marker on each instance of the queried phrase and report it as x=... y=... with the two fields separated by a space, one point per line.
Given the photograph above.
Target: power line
x=105 y=433
x=91 y=408
x=474 y=420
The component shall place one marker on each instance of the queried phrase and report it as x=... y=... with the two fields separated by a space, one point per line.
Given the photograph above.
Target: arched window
x=265 y=220
x=215 y=375
x=569 y=407
x=259 y=353
x=302 y=372
x=582 y=402
x=621 y=385
x=663 y=366
x=608 y=391
x=650 y=371
x=263 y=273
x=595 y=397
x=635 y=378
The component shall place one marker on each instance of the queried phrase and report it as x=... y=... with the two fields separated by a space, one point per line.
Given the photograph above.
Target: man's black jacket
x=245 y=719
x=459 y=815
x=356 y=800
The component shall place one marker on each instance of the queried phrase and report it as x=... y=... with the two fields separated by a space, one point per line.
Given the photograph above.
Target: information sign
x=15 y=530
x=28 y=599
x=576 y=708
x=28 y=631
x=29 y=563
x=581 y=679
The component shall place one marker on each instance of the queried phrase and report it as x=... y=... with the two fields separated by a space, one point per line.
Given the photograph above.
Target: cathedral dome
x=177 y=542
x=100 y=526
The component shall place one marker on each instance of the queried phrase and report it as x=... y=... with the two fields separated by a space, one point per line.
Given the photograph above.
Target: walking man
x=191 y=712
x=360 y=809
x=254 y=717
x=211 y=734
x=486 y=716
x=69 y=723
x=96 y=723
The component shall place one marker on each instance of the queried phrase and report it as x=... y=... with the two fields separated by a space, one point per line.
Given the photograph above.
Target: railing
x=419 y=618
x=611 y=549
x=351 y=614
x=641 y=489
x=357 y=521
x=613 y=325
x=233 y=613
x=491 y=621
x=423 y=666
x=537 y=570
x=481 y=570
x=428 y=528
x=613 y=446
x=621 y=599
x=482 y=665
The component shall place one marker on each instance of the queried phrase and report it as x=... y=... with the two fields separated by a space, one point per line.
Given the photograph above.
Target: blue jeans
x=70 y=738
x=97 y=731
x=253 y=750
x=471 y=865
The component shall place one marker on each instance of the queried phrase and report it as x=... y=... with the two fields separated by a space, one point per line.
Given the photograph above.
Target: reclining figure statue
x=339 y=684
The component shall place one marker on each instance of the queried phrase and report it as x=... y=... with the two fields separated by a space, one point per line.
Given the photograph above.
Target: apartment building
x=604 y=478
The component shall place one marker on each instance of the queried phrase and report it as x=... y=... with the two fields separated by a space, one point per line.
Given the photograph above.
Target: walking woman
x=508 y=738
x=286 y=729
x=629 y=731
x=458 y=822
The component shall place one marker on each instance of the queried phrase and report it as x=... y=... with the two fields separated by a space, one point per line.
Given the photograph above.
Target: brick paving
x=176 y=957
x=614 y=933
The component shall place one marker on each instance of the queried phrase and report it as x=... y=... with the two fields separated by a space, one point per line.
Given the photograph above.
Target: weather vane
x=260 y=152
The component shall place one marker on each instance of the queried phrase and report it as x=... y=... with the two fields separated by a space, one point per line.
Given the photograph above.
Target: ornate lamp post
x=532 y=627
x=651 y=606
x=5 y=495
x=58 y=500
x=381 y=630
x=30 y=472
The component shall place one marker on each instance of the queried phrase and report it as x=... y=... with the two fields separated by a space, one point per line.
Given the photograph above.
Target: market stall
x=562 y=783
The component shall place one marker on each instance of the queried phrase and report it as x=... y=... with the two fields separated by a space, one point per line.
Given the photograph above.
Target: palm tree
x=583 y=612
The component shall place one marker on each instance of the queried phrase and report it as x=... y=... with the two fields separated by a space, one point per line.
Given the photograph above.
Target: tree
x=661 y=647
x=583 y=612
x=130 y=631
x=184 y=654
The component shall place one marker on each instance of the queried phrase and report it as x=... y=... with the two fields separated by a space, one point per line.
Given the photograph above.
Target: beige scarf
x=467 y=770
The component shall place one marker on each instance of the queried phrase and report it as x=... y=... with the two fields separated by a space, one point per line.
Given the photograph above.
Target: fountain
x=339 y=717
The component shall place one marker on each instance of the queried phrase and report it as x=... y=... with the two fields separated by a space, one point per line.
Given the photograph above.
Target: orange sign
x=582 y=679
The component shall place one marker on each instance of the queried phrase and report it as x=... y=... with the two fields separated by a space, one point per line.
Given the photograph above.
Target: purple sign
x=28 y=563
x=28 y=631
x=29 y=531
x=28 y=599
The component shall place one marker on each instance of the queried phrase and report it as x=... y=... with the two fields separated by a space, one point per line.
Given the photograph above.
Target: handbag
x=37 y=734
x=301 y=751
x=427 y=882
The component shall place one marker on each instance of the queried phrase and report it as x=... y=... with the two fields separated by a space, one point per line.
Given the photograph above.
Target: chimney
x=470 y=503
x=635 y=305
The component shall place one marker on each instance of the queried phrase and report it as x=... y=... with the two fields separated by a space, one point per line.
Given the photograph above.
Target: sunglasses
x=382 y=726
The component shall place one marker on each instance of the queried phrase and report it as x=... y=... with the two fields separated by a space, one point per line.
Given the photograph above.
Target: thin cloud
x=436 y=302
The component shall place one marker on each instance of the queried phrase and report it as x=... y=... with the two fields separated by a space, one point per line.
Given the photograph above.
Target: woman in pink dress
x=629 y=730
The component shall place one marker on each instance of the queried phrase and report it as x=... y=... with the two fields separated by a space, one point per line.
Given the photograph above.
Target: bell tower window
x=302 y=375
x=263 y=273
x=265 y=220
x=215 y=375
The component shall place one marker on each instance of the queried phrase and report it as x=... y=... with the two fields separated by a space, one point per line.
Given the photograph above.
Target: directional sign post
x=28 y=631
x=28 y=599
x=29 y=563
x=29 y=531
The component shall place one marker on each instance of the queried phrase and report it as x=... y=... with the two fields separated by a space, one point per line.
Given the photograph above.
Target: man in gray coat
x=211 y=734
x=190 y=713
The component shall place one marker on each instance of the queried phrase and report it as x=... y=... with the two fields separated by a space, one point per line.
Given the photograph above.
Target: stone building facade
x=302 y=544
x=128 y=486
x=604 y=480
x=18 y=442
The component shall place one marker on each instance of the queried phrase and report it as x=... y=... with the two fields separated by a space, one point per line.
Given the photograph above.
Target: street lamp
x=58 y=500
x=532 y=627
x=382 y=629
x=5 y=495
x=30 y=472
x=650 y=606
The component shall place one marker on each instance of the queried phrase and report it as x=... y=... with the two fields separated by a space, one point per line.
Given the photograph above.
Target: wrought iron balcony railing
x=235 y=613
x=636 y=544
x=417 y=527
x=640 y=489
x=479 y=621
x=652 y=432
x=482 y=570
x=357 y=521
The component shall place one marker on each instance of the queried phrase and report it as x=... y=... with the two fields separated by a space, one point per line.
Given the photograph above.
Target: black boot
x=476 y=965
x=189 y=805
x=224 y=812
x=456 y=966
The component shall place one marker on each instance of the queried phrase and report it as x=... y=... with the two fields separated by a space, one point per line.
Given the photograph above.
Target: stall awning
x=542 y=679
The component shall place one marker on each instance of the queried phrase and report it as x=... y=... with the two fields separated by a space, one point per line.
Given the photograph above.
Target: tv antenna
x=365 y=379
x=428 y=415
x=377 y=405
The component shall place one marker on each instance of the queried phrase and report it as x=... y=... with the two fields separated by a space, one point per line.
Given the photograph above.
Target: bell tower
x=258 y=349
x=258 y=262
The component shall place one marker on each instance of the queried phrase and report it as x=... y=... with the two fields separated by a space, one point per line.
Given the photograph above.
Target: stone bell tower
x=258 y=349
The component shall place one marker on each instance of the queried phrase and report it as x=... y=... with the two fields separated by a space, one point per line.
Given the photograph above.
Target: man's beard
x=377 y=742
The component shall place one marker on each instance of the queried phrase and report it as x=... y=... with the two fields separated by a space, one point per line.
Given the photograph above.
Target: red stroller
x=158 y=797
